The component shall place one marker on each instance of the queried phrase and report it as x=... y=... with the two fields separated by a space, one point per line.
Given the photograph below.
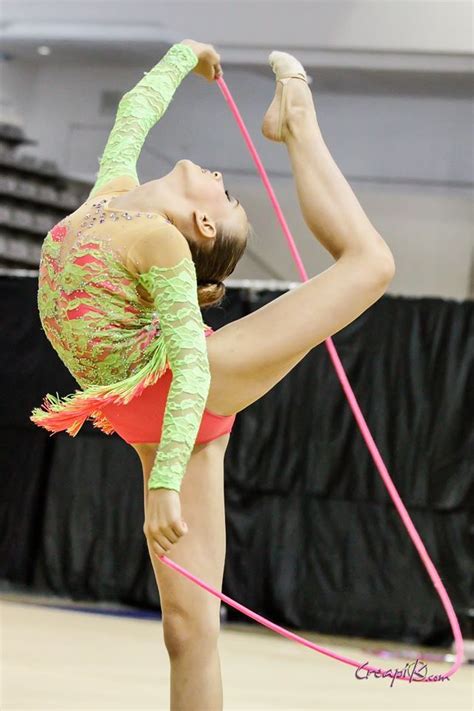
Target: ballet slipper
x=285 y=67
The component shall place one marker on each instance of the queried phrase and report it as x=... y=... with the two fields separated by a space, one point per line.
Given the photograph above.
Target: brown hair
x=217 y=263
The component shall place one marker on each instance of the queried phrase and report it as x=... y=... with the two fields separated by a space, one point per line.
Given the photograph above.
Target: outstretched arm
x=168 y=273
x=139 y=110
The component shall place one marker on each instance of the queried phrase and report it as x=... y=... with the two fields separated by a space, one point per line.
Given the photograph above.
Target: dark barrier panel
x=313 y=540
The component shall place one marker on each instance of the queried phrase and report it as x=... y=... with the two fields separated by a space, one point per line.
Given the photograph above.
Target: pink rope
x=407 y=522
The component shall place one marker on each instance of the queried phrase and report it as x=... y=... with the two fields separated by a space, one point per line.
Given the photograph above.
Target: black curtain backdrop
x=313 y=539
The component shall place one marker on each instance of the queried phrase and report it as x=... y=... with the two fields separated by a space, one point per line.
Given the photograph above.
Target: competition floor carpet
x=61 y=655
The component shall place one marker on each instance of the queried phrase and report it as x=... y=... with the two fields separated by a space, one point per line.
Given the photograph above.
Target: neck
x=162 y=196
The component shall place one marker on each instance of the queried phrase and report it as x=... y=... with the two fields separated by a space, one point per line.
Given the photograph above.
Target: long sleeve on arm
x=139 y=110
x=174 y=292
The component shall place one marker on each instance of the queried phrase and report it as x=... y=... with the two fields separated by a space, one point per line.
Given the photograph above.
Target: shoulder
x=163 y=245
x=121 y=183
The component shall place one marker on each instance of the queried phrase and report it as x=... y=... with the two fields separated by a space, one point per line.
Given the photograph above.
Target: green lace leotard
x=115 y=329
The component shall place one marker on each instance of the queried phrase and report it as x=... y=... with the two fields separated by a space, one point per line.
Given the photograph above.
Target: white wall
x=428 y=230
x=17 y=91
x=429 y=27
x=408 y=158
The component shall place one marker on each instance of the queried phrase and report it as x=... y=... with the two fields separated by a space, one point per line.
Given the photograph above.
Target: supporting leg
x=191 y=616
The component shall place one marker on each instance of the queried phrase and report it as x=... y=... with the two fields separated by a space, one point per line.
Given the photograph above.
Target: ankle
x=299 y=104
x=301 y=122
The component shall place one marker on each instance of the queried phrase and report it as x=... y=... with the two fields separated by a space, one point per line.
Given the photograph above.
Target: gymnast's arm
x=138 y=111
x=166 y=270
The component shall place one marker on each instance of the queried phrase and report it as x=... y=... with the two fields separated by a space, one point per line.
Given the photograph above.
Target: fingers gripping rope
x=412 y=532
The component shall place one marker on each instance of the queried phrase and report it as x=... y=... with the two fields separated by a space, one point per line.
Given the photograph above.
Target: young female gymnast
x=120 y=286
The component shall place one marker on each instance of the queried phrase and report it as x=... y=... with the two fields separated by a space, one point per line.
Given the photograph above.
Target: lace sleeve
x=138 y=111
x=174 y=291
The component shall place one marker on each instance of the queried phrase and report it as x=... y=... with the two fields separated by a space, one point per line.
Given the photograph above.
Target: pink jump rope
x=372 y=449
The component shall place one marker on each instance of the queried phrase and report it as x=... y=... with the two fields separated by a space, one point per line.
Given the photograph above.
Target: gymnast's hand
x=163 y=525
x=209 y=64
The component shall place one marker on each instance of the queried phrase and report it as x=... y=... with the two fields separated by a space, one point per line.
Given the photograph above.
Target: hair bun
x=210 y=293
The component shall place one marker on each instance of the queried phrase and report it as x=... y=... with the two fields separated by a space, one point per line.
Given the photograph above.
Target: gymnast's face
x=210 y=201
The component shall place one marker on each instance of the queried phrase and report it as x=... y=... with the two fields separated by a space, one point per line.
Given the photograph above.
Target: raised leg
x=328 y=204
x=250 y=355
x=191 y=616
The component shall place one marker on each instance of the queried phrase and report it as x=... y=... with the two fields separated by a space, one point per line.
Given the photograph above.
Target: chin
x=185 y=162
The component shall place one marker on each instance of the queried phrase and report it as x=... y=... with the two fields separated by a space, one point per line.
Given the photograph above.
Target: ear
x=205 y=225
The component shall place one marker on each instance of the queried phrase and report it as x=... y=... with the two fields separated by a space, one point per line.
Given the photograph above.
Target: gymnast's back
x=93 y=303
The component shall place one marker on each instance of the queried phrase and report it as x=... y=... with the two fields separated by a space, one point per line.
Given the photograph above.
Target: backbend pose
x=121 y=283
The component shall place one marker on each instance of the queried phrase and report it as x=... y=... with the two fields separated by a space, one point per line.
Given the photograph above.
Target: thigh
x=202 y=549
x=249 y=356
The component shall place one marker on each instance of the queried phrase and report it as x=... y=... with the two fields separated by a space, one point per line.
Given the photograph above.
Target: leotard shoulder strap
x=138 y=111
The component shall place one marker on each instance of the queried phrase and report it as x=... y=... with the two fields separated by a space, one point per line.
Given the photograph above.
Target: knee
x=184 y=634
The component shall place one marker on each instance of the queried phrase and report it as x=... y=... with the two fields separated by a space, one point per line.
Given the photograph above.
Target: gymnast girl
x=122 y=283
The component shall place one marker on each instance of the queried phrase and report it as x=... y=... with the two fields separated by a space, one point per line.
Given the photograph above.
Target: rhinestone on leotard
x=102 y=214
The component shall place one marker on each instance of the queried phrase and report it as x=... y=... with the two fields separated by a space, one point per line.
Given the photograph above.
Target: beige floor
x=68 y=660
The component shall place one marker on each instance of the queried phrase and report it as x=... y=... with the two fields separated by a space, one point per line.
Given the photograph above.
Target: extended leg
x=328 y=204
x=250 y=355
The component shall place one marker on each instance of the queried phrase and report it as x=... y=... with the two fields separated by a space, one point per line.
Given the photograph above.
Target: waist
x=107 y=356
